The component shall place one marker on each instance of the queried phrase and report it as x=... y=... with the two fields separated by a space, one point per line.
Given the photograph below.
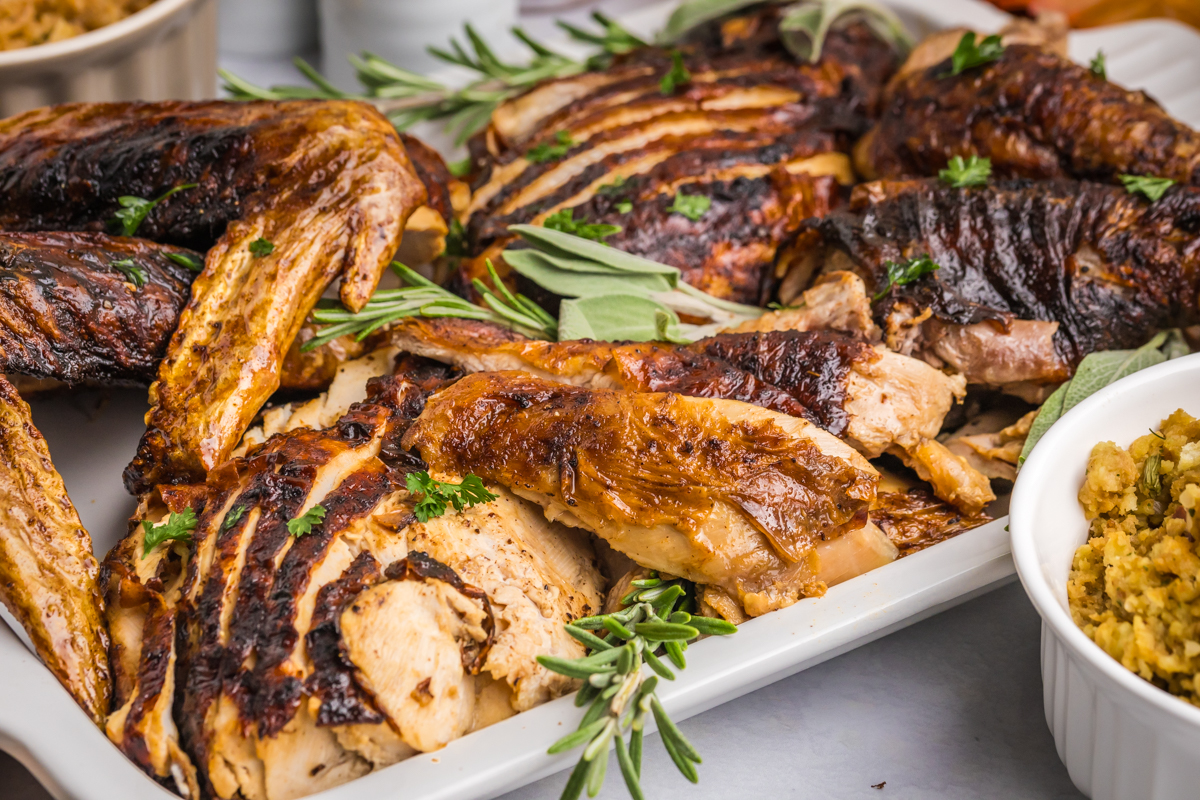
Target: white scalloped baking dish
x=41 y=725
x=168 y=50
x=1121 y=737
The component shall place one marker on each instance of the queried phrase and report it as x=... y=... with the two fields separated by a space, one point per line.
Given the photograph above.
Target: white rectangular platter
x=92 y=436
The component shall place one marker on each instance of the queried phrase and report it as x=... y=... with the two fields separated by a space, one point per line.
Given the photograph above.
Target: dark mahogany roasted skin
x=1035 y=115
x=1110 y=268
x=66 y=313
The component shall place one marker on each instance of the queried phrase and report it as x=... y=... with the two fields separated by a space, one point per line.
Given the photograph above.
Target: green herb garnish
x=624 y=207
x=692 y=206
x=1098 y=66
x=1096 y=371
x=1150 y=479
x=437 y=496
x=614 y=189
x=408 y=98
x=654 y=629
x=134 y=210
x=460 y=169
x=975 y=171
x=185 y=260
x=1153 y=188
x=564 y=220
x=304 y=523
x=178 y=527
x=132 y=272
x=232 y=517
x=676 y=76
x=968 y=54
x=905 y=272
x=261 y=247
x=551 y=152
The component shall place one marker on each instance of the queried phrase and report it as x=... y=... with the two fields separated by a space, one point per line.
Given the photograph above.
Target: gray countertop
x=948 y=708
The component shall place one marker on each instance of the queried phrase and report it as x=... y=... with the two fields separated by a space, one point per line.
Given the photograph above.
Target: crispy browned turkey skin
x=1035 y=114
x=67 y=313
x=721 y=492
x=761 y=136
x=1033 y=275
x=257 y=661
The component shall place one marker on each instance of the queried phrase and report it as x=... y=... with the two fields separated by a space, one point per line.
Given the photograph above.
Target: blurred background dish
x=166 y=50
x=268 y=28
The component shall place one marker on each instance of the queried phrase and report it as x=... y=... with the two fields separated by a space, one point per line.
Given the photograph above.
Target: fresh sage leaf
x=616 y=318
x=805 y=25
x=1096 y=371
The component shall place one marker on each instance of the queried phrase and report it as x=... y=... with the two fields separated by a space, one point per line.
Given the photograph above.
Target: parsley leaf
x=438 y=495
x=460 y=169
x=677 y=76
x=1099 y=67
x=975 y=171
x=132 y=272
x=304 y=523
x=134 y=210
x=261 y=247
x=551 y=152
x=692 y=206
x=178 y=527
x=184 y=260
x=624 y=207
x=565 y=221
x=906 y=272
x=1153 y=188
x=968 y=54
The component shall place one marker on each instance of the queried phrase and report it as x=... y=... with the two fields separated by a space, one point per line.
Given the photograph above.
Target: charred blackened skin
x=67 y=313
x=811 y=366
x=1109 y=267
x=277 y=479
x=1035 y=115
x=332 y=679
x=421 y=566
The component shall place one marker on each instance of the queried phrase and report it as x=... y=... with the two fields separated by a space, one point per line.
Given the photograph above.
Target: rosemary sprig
x=407 y=98
x=423 y=297
x=654 y=628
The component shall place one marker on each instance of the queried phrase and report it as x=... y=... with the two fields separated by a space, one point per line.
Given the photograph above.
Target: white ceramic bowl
x=168 y=50
x=1120 y=737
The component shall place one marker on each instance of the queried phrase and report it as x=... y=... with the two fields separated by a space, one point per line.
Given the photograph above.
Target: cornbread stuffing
x=1135 y=586
x=24 y=23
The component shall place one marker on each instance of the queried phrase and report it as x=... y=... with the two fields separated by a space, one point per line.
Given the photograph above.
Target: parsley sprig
x=692 y=206
x=1151 y=187
x=968 y=54
x=303 y=524
x=437 y=496
x=905 y=272
x=975 y=171
x=677 y=76
x=178 y=527
x=653 y=629
x=564 y=220
x=134 y=210
x=132 y=272
x=1098 y=66
x=547 y=151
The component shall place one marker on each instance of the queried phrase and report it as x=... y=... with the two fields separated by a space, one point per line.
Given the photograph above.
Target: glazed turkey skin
x=716 y=491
